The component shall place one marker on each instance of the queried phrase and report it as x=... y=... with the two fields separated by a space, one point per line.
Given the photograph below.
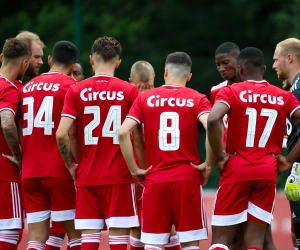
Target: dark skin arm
x=215 y=133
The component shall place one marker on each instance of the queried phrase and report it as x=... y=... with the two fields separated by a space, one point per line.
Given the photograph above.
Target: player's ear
x=50 y=60
x=91 y=60
x=25 y=63
x=1 y=57
x=118 y=63
x=130 y=80
x=72 y=68
x=189 y=77
x=166 y=73
x=264 y=69
x=290 y=58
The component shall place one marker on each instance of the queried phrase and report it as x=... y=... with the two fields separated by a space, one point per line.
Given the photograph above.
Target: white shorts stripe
x=229 y=220
x=133 y=197
x=192 y=235
x=259 y=213
x=159 y=239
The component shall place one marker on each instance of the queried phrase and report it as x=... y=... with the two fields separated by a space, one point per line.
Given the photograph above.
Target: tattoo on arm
x=10 y=132
x=64 y=151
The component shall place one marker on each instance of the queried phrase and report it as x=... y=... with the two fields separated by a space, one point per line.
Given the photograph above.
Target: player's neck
x=60 y=69
x=232 y=81
x=105 y=70
x=9 y=73
x=175 y=81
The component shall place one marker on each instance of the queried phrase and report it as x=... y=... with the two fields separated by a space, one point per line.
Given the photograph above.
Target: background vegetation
x=150 y=30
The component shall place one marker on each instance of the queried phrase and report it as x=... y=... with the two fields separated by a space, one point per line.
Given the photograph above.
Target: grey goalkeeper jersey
x=294 y=136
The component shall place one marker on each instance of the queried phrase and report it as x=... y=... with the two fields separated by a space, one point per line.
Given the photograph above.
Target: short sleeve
x=70 y=108
x=204 y=106
x=135 y=111
x=294 y=104
x=223 y=96
x=9 y=99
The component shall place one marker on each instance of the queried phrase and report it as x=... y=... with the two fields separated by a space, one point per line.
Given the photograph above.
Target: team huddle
x=82 y=156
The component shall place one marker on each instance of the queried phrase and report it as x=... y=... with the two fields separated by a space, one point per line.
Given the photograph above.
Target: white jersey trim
x=35 y=217
x=293 y=111
x=229 y=220
x=259 y=213
x=63 y=215
x=206 y=111
x=89 y=224
x=220 y=85
x=70 y=116
x=200 y=234
x=123 y=222
x=15 y=223
x=226 y=103
x=133 y=118
x=8 y=109
x=159 y=239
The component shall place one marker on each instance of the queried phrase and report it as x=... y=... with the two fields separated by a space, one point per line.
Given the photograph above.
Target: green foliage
x=150 y=30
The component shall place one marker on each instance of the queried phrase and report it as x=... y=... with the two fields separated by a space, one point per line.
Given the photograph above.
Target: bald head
x=142 y=71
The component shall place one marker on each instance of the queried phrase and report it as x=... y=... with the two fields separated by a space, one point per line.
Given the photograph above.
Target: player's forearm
x=10 y=132
x=210 y=159
x=127 y=151
x=215 y=137
x=73 y=137
x=139 y=146
x=62 y=143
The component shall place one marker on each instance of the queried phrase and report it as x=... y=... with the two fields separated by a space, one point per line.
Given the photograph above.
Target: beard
x=31 y=72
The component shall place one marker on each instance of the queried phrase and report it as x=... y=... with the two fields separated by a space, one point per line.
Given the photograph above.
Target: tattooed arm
x=10 y=132
x=63 y=142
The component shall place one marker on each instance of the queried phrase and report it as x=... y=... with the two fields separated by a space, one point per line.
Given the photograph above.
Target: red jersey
x=213 y=93
x=170 y=116
x=8 y=101
x=100 y=105
x=257 y=119
x=42 y=100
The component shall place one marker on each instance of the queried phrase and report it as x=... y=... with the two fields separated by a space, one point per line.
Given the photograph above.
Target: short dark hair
x=251 y=55
x=14 y=48
x=179 y=58
x=227 y=47
x=64 y=52
x=107 y=47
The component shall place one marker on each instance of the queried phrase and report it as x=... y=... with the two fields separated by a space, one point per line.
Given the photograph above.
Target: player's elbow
x=122 y=133
x=211 y=121
x=60 y=135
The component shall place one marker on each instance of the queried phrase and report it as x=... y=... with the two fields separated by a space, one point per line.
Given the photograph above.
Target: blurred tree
x=150 y=30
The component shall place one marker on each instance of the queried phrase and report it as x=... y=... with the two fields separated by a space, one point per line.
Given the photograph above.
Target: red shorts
x=10 y=208
x=246 y=200
x=179 y=203
x=138 y=199
x=45 y=197
x=114 y=204
x=56 y=228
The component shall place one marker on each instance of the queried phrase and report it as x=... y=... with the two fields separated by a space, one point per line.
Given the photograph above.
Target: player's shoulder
x=5 y=83
x=219 y=86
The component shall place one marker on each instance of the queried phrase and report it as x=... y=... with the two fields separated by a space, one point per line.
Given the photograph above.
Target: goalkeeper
x=287 y=66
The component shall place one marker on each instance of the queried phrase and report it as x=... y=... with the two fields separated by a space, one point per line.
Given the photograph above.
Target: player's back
x=41 y=102
x=256 y=125
x=170 y=115
x=100 y=105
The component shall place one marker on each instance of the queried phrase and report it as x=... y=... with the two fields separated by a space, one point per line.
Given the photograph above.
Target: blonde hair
x=31 y=36
x=142 y=71
x=290 y=46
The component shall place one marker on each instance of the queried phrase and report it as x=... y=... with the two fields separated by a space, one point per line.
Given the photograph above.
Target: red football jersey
x=256 y=125
x=8 y=101
x=213 y=93
x=100 y=105
x=170 y=116
x=42 y=100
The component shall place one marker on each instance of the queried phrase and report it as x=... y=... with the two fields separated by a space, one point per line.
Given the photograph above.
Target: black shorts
x=295 y=211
